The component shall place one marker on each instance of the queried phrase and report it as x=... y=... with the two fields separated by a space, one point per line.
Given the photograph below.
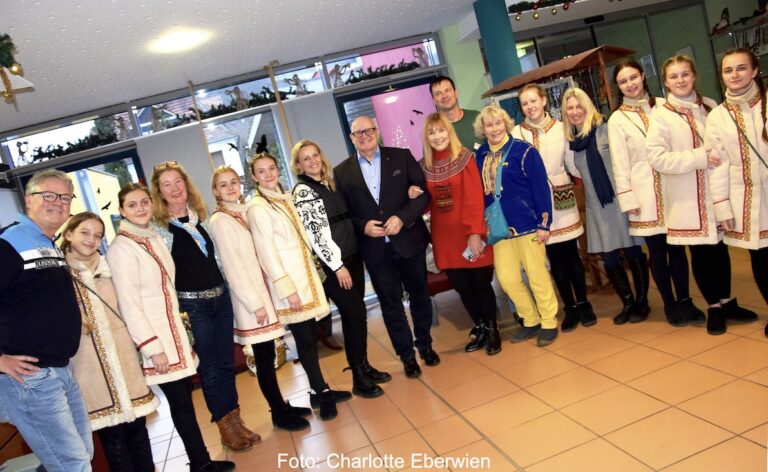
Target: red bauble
x=536 y=6
x=566 y=6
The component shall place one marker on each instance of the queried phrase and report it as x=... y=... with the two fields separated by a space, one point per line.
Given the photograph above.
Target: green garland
x=527 y=6
x=7 y=50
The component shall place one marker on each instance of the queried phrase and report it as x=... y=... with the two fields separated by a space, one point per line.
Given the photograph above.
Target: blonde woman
x=180 y=215
x=143 y=272
x=256 y=323
x=548 y=137
x=737 y=133
x=285 y=254
x=526 y=202
x=105 y=366
x=675 y=146
x=326 y=219
x=607 y=226
x=640 y=191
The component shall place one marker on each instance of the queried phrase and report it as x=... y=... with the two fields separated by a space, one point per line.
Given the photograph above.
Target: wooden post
x=604 y=80
x=280 y=108
x=200 y=124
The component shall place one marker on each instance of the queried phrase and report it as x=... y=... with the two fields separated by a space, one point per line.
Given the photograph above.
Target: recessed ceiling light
x=179 y=39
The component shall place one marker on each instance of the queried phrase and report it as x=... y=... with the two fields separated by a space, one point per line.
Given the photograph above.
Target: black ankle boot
x=362 y=385
x=337 y=395
x=479 y=341
x=675 y=315
x=690 y=311
x=215 y=466
x=571 y=319
x=375 y=374
x=618 y=277
x=716 y=321
x=327 y=405
x=493 y=346
x=587 y=314
x=288 y=420
x=640 y=277
x=733 y=312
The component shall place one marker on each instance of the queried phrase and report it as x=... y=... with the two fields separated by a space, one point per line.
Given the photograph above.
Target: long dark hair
x=631 y=62
x=758 y=78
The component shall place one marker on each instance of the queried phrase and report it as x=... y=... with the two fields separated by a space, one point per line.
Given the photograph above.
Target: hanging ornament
x=554 y=11
x=566 y=6
x=535 y=15
x=16 y=69
x=536 y=5
x=517 y=17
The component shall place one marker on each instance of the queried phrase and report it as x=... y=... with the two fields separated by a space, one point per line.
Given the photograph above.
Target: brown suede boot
x=244 y=431
x=230 y=434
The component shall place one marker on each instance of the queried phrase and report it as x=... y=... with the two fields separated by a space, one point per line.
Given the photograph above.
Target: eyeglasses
x=166 y=165
x=51 y=197
x=366 y=131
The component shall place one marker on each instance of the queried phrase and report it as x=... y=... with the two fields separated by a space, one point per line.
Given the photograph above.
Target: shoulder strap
x=497 y=192
x=743 y=135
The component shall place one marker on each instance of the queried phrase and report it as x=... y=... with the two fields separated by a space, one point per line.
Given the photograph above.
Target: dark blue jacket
x=525 y=196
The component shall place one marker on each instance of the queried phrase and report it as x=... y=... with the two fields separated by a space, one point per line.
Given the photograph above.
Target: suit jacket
x=399 y=170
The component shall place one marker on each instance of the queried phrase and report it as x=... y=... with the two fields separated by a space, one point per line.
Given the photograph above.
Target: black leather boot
x=716 y=321
x=587 y=314
x=493 y=346
x=375 y=374
x=571 y=319
x=618 y=277
x=480 y=340
x=640 y=277
x=362 y=385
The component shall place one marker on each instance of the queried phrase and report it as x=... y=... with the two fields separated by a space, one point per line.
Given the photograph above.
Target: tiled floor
x=605 y=398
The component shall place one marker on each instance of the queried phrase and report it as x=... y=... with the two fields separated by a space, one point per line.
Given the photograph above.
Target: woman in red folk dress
x=458 y=227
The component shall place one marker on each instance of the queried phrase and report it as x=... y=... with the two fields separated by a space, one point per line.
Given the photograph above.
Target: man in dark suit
x=392 y=236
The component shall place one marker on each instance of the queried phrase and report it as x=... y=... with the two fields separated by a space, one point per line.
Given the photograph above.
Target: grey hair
x=43 y=175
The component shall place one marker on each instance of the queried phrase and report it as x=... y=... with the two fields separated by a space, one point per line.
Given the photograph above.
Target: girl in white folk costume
x=675 y=146
x=105 y=366
x=548 y=137
x=143 y=272
x=285 y=254
x=641 y=189
x=737 y=134
x=256 y=323
x=607 y=227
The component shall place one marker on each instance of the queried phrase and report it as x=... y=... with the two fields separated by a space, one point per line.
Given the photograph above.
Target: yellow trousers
x=525 y=251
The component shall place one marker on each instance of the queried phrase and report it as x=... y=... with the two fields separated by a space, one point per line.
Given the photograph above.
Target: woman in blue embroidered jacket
x=527 y=206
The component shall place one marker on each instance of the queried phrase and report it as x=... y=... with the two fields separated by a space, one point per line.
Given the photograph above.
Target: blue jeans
x=50 y=414
x=212 y=325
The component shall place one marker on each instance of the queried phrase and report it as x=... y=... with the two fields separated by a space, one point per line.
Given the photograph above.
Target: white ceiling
x=87 y=54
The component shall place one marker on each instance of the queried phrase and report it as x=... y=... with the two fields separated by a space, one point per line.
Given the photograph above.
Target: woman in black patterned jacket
x=326 y=219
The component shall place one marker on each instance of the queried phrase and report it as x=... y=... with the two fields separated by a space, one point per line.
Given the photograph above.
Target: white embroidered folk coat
x=143 y=273
x=285 y=254
x=550 y=141
x=638 y=186
x=310 y=207
x=740 y=183
x=675 y=148
x=105 y=366
x=234 y=246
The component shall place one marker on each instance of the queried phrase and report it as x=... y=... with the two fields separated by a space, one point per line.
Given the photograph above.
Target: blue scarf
x=191 y=228
x=600 y=180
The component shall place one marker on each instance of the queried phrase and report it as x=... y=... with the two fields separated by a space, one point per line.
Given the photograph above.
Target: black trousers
x=127 y=447
x=264 y=356
x=179 y=396
x=352 y=310
x=475 y=290
x=389 y=276
x=568 y=271
x=669 y=266
x=711 y=267
x=305 y=336
x=760 y=270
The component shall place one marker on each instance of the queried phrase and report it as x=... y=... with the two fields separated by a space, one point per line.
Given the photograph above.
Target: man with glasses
x=392 y=236
x=40 y=331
